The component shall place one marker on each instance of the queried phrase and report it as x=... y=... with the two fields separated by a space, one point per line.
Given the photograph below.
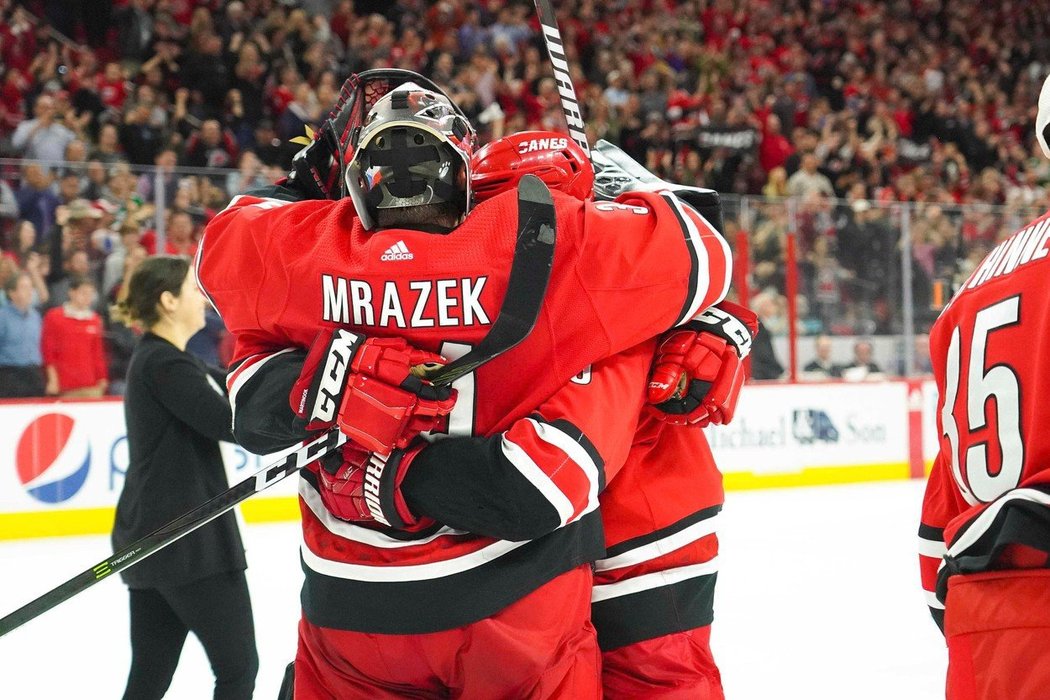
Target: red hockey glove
x=698 y=370
x=362 y=486
x=367 y=388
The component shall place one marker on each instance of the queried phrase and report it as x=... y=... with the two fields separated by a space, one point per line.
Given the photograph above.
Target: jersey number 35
x=980 y=482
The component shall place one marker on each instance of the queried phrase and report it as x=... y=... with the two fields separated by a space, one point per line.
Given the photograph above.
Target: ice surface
x=817 y=599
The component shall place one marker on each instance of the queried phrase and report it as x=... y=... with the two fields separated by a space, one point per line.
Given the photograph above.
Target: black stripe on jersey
x=654 y=613
x=263 y=422
x=636 y=542
x=938 y=616
x=433 y=605
x=1005 y=524
x=470 y=484
x=694 y=259
x=580 y=438
x=1020 y=521
x=928 y=532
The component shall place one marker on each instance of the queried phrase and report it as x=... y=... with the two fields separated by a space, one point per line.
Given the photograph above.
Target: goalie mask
x=554 y=158
x=413 y=149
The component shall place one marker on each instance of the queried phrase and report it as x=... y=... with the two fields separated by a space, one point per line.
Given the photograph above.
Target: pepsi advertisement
x=62 y=466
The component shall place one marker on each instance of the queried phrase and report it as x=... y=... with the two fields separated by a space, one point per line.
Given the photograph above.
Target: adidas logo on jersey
x=398 y=251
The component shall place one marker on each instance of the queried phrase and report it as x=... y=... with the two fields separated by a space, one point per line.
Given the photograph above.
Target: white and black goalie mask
x=413 y=149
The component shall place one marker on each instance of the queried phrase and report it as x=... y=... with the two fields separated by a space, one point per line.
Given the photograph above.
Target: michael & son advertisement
x=802 y=434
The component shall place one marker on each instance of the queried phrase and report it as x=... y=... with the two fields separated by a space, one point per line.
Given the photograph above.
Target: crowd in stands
x=125 y=124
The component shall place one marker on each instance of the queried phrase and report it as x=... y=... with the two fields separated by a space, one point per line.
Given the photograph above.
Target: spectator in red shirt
x=71 y=345
x=775 y=148
x=180 y=239
x=112 y=88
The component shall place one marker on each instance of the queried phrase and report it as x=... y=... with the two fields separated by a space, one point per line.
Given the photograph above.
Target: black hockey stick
x=556 y=48
x=529 y=274
x=175 y=530
x=526 y=287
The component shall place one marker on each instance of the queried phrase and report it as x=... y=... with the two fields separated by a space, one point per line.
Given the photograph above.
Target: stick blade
x=533 y=190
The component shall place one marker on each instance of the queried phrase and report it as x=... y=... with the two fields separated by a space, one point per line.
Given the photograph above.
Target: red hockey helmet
x=552 y=157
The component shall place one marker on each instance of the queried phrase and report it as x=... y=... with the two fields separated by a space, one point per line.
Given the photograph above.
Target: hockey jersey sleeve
x=234 y=262
x=664 y=260
x=1010 y=532
x=259 y=384
x=546 y=470
x=938 y=508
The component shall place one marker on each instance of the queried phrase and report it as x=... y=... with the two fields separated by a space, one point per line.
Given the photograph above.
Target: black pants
x=216 y=609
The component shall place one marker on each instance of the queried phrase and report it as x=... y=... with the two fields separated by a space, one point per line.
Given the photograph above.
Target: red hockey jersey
x=623 y=272
x=989 y=364
x=658 y=574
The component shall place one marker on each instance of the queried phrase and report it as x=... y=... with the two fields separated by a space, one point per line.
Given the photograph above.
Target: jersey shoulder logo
x=398 y=251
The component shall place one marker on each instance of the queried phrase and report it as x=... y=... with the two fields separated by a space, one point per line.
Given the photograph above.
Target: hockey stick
x=526 y=287
x=529 y=274
x=556 y=48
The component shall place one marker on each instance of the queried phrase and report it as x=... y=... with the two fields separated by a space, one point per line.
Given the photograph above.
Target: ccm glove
x=362 y=486
x=698 y=370
x=368 y=388
x=615 y=173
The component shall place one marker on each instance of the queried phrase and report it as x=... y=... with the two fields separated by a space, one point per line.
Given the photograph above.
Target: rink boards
x=62 y=463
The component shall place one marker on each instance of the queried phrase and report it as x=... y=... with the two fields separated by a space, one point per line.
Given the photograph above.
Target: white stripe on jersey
x=539 y=479
x=727 y=253
x=931 y=548
x=660 y=547
x=567 y=444
x=239 y=380
x=703 y=272
x=984 y=521
x=263 y=202
x=653 y=580
x=356 y=533
x=931 y=600
x=394 y=573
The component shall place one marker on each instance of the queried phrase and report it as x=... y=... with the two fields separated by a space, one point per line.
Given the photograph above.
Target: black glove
x=317 y=170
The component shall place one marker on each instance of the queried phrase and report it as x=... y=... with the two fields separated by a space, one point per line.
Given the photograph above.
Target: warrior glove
x=362 y=486
x=698 y=370
x=368 y=387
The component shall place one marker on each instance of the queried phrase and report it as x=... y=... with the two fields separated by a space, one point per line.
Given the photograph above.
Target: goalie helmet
x=554 y=158
x=413 y=148
x=1042 y=119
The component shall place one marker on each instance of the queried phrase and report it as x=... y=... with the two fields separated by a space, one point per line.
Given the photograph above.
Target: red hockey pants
x=677 y=666
x=998 y=629
x=541 y=647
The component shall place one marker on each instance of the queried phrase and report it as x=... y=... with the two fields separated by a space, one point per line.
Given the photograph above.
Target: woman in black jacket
x=177 y=412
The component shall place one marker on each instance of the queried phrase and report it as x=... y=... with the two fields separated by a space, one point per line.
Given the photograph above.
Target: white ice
x=817 y=599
